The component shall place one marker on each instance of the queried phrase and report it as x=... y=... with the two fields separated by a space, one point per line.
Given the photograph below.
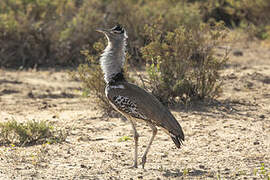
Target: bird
x=133 y=102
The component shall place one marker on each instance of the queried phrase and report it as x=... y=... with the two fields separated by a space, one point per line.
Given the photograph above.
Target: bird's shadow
x=226 y=107
x=4 y=81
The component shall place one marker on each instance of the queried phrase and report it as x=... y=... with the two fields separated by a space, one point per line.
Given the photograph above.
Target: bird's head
x=114 y=35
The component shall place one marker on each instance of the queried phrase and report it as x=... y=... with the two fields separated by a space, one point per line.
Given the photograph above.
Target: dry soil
x=228 y=138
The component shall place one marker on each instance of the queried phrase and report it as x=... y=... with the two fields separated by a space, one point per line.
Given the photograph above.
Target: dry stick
x=141 y=80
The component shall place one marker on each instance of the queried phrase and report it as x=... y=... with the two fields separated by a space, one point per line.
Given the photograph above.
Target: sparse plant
x=181 y=63
x=29 y=133
x=218 y=176
x=255 y=171
x=124 y=138
x=40 y=156
x=161 y=168
x=185 y=172
x=262 y=172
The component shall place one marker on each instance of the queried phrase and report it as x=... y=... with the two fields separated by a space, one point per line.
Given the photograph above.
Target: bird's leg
x=154 y=129
x=136 y=138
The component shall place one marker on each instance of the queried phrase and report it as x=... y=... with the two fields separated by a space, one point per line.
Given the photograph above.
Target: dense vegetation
x=173 y=39
x=49 y=33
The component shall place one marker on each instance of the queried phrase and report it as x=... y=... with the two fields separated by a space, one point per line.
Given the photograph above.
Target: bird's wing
x=138 y=103
x=127 y=105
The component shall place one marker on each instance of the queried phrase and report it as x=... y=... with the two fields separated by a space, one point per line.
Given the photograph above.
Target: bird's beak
x=105 y=31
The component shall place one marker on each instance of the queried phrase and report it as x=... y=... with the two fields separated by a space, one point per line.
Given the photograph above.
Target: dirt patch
x=227 y=138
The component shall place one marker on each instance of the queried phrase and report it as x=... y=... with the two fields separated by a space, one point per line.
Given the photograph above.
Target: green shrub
x=29 y=32
x=79 y=32
x=38 y=33
x=46 y=33
x=135 y=14
x=181 y=63
x=180 y=15
x=236 y=12
x=29 y=133
x=49 y=33
x=261 y=32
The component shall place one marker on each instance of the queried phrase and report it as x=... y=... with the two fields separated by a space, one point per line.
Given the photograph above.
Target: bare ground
x=228 y=138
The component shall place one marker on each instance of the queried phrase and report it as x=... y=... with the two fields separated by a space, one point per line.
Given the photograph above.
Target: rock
x=262 y=116
x=30 y=94
x=256 y=143
x=238 y=53
x=202 y=166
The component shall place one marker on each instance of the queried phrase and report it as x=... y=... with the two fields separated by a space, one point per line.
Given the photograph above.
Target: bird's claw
x=133 y=166
x=143 y=161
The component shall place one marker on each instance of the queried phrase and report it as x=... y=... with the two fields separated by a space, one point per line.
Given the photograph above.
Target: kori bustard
x=133 y=102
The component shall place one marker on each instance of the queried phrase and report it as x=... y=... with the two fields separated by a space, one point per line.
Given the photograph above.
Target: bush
x=79 y=32
x=28 y=32
x=46 y=33
x=186 y=72
x=181 y=63
x=49 y=33
x=135 y=14
x=237 y=12
x=29 y=133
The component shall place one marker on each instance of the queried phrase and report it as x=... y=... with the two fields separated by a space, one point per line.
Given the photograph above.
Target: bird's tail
x=178 y=139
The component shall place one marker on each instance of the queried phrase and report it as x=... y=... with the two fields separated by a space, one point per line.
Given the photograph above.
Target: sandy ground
x=227 y=139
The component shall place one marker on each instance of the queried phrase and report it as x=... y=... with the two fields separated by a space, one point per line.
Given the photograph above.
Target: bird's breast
x=110 y=87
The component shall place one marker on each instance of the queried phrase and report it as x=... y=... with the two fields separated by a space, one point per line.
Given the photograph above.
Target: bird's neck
x=112 y=62
x=119 y=77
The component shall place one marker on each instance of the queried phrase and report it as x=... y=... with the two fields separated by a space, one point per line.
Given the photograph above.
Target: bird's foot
x=133 y=166
x=143 y=161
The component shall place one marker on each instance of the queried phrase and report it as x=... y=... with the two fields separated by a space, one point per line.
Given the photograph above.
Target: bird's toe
x=133 y=166
x=143 y=161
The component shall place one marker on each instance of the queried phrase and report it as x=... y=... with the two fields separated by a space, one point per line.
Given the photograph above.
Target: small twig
x=142 y=81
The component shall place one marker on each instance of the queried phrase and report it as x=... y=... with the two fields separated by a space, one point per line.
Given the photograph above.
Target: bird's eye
x=118 y=32
x=118 y=29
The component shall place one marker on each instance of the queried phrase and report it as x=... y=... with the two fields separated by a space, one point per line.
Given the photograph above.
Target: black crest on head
x=118 y=28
